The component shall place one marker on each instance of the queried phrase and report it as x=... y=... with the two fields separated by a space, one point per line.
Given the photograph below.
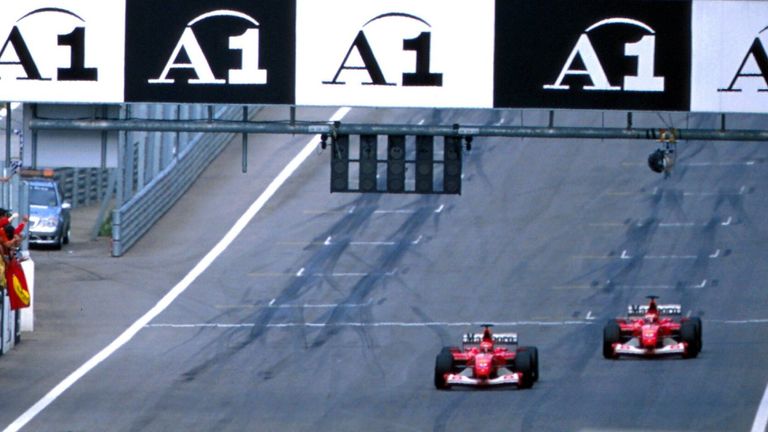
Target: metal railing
x=82 y=187
x=136 y=216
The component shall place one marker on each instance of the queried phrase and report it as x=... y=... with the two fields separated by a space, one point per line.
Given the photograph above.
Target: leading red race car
x=652 y=330
x=487 y=360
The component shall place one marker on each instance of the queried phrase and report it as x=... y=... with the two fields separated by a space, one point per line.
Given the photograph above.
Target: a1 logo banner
x=608 y=54
x=400 y=53
x=198 y=51
x=70 y=52
x=730 y=56
x=18 y=293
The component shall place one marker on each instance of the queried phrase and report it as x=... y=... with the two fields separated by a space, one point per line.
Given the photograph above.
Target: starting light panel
x=396 y=164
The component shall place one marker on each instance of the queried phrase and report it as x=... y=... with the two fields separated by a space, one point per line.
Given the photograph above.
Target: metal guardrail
x=82 y=187
x=134 y=218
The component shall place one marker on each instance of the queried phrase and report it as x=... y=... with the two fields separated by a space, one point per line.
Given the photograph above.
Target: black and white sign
x=229 y=51
x=429 y=53
x=675 y=55
x=730 y=57
x=70 y=52
x=608 y=54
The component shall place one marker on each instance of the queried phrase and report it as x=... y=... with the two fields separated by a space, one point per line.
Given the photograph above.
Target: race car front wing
x=512 y=378
x=632 y=349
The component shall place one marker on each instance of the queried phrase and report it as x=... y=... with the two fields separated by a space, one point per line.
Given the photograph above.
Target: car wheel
x=534 y=361
x=697 y=323
x=443 y=365
x=524 y=365
x=59 y=240
x=688 y=334
x=611 y=335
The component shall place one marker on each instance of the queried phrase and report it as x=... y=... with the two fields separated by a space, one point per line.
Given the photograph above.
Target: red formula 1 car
x=651 y=331
x=486 y=360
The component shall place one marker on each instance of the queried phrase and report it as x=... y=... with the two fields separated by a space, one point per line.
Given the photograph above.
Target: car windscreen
x=42 y=196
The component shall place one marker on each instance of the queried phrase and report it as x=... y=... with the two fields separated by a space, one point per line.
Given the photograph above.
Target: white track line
x=321 y=305
x=589 y=320
x=375 y=324
x=761 y=418
x=180 y=287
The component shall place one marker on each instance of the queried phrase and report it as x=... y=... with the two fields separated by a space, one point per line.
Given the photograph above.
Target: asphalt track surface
x=327 y=311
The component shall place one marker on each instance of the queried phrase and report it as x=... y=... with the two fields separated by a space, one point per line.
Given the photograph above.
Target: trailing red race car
x=652 y=330
x=486 y=360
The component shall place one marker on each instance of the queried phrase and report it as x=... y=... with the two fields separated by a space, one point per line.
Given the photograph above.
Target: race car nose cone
x=650 y=338
x=483 y=365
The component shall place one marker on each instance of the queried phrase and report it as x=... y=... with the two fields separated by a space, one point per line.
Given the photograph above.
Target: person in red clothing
x=10 y=236
x=13 y=279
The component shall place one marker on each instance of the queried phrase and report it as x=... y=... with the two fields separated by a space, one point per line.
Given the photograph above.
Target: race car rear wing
x=498 y=338
x=667 y=309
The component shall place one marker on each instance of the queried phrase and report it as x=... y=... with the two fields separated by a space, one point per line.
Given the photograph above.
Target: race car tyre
x=688 y=334
x=611 y=335
x=534 y=360
x=524 y=365
x=443 y=365
x=697 y=322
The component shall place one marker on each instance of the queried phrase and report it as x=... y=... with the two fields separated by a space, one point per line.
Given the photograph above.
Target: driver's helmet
x=486 y=346
x=652 y=317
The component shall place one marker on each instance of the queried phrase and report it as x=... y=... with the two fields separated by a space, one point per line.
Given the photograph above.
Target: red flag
x=17 y=285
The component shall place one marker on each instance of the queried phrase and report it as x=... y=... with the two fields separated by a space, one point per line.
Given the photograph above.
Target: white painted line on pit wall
x=761 y=418
x=179 y=288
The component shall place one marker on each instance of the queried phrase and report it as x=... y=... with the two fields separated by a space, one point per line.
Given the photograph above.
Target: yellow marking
x=23 y=295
